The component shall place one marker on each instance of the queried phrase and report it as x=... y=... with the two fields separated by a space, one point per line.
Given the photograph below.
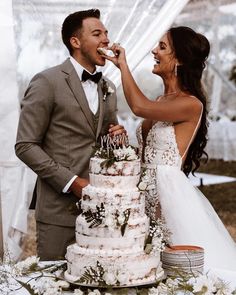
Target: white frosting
x=139 y=267
x=134 y=228
x=114 y=200
x=119 y=182
x=111 y=245
x=124 y=168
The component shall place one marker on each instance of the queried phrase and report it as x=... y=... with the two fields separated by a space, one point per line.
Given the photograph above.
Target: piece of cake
x=105 y=51
x=112 y=231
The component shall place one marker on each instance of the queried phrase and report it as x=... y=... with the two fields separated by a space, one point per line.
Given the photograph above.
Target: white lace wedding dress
x=188 y=214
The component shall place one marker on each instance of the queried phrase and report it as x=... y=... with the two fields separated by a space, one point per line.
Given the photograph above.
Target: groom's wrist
x=77 y=186
x=66 y=189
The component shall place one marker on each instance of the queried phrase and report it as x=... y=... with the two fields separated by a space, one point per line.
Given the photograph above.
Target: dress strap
x=194 y=133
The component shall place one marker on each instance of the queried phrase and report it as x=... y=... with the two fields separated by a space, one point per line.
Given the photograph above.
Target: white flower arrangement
x=115 y=149
x=45 y=280
x=125 y=154
x=199 y=285
x=28 y=274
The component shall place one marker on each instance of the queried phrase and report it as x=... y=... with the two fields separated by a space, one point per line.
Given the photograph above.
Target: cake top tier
x=115 y=149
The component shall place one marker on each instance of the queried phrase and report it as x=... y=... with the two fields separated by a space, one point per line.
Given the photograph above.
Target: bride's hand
x=119 y=57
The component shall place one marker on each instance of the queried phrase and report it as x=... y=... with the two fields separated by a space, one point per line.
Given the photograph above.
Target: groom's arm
x=37 y=107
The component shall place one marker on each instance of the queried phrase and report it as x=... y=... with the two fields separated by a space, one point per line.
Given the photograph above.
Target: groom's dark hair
x=73 y=23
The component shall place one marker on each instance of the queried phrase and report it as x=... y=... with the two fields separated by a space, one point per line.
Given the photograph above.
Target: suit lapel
x=101 y=108
x=75 y=85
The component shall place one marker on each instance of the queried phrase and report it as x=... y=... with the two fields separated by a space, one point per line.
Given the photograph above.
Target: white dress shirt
x=90 y=87
x=91 y=92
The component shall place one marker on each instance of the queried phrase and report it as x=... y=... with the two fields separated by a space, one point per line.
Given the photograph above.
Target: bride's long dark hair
x=192 y=49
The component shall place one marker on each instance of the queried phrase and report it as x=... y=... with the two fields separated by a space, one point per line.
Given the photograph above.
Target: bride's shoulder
x=192 y=101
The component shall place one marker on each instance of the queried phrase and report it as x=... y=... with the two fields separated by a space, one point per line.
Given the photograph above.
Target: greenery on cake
x=104 y=276
x=93 y=275
x=95 y=217
x=115 y=149
x=157 y=238
x=112 y=220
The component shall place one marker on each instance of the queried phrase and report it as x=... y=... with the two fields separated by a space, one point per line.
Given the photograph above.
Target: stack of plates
x=180 y=260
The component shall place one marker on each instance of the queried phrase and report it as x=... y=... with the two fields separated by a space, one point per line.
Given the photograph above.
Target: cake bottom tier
x=127 y=270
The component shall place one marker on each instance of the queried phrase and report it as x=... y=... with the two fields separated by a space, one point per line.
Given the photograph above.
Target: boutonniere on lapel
x=106 y=89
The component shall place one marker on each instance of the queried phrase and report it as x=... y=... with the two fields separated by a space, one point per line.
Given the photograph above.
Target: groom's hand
x=77 y=186
x=116 y=130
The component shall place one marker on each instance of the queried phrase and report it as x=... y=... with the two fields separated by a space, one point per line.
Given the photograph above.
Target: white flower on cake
x=109 y=278
x=142 y=186
x=119 y=165
x=123 y=277
x=146 y=182
x=121 y=219
x=109 y=221
x=111 y=170
x=127 y=170
x=125 y=153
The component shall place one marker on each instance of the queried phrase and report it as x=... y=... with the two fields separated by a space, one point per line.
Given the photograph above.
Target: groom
x=65 y=110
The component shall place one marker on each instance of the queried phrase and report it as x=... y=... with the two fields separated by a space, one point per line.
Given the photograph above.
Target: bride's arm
x=177 y=110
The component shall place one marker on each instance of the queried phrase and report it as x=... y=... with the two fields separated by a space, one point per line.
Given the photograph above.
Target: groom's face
x=92 y=36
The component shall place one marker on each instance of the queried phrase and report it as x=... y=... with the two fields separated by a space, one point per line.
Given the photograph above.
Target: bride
x=172 y=139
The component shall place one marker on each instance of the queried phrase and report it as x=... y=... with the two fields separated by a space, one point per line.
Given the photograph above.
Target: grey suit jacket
x=55 y=137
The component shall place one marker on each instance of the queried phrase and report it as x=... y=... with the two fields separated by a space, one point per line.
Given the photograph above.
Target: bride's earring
x=176 y=70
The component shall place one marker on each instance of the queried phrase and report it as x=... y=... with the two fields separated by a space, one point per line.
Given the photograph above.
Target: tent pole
x=1 y=228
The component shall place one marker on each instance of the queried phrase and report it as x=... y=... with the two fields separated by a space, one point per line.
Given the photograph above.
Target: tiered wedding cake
x=113 y=229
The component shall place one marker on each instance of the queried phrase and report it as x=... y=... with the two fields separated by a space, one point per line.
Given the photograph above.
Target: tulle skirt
x=192 y=220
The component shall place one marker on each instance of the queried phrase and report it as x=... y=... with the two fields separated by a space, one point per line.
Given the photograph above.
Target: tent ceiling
x=57 y=6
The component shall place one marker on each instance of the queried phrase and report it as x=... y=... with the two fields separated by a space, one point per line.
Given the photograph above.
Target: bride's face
x=164 y=58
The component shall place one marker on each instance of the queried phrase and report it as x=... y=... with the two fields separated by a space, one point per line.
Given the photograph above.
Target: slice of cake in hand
x=105 y=51
x=114 y=246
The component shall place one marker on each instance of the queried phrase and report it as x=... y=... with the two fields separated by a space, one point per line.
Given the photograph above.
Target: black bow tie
x=95 y=78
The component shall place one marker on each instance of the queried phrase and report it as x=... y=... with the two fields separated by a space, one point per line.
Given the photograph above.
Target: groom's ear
x=75 y=42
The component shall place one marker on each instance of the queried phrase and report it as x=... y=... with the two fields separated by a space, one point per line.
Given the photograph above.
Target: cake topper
x=114 y=142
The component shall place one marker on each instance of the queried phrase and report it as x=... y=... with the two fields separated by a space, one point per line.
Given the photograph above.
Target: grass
x=222 y=197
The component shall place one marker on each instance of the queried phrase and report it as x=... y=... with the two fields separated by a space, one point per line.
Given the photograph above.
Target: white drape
x=13 y=174
x=150 y=37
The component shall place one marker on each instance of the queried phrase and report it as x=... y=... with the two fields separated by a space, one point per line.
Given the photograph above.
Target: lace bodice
x=161 y=147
